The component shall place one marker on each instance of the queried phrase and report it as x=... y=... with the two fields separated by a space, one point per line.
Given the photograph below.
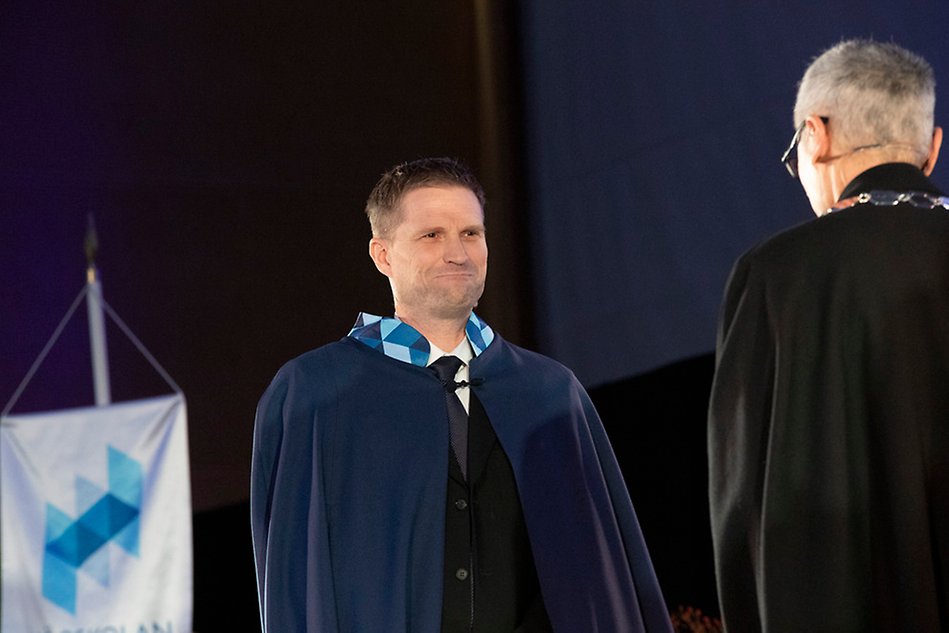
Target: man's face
x=436 y=258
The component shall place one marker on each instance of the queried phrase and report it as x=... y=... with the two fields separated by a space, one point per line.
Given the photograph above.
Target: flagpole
x=100 y=356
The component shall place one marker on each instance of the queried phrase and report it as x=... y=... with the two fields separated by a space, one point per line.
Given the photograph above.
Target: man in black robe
x=829 y=414
x=374 y=510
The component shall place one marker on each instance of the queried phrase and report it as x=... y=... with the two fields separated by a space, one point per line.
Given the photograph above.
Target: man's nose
x=455 y=250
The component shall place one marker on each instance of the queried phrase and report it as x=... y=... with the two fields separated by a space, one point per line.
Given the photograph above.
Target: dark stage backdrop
x=653 y=136
x=226 y=150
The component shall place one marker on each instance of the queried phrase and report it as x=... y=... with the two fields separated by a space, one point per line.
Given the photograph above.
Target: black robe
x=828 y=443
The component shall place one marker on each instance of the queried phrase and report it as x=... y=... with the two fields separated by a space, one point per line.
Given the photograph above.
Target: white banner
x=95 y=520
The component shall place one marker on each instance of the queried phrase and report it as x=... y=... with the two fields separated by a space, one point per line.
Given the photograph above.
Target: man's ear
x=930 y=163
x=817 y=136
x=379 y=252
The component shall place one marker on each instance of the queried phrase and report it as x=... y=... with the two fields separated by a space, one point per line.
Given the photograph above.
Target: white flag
x=95 y=520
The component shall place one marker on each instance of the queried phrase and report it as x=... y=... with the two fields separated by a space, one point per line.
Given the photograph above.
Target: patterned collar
x=403 y=342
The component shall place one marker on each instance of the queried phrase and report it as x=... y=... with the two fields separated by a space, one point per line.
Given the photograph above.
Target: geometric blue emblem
x=104 y=516
x=399 y=340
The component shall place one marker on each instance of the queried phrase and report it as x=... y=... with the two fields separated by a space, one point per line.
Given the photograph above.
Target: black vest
x=490 y=583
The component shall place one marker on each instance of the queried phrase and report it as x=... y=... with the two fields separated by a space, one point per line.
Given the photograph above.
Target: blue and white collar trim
x=399 y=340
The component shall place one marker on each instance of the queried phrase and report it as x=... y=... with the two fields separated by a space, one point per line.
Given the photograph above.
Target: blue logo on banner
x=103 y=516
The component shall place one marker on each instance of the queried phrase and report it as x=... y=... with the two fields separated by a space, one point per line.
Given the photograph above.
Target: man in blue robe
x=424 y=475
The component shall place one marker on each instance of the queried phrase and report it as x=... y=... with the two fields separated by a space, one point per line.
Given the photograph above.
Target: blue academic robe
x=349 y=484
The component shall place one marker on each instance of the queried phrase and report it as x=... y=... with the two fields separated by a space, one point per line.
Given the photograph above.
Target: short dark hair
x=382 y=207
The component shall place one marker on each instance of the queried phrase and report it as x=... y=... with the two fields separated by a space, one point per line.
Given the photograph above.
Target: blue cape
x=349 y=483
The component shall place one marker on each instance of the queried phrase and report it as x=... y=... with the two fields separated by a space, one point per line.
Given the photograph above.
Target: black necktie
x=445 y=368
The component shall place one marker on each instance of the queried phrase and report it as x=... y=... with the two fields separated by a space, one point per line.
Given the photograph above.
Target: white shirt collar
x=462 y=350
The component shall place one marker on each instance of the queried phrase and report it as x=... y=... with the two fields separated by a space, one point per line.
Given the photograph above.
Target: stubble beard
x=442 y=304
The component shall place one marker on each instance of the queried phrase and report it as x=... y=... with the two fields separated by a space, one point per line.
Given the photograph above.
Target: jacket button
x=462 y=574
x=461 y=504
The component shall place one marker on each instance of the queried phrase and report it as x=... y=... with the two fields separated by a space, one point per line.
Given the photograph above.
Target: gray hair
x=873 y=92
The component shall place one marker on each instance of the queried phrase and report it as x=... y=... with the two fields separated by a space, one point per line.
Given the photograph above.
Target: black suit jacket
x=828 y=442
x=486 y=543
